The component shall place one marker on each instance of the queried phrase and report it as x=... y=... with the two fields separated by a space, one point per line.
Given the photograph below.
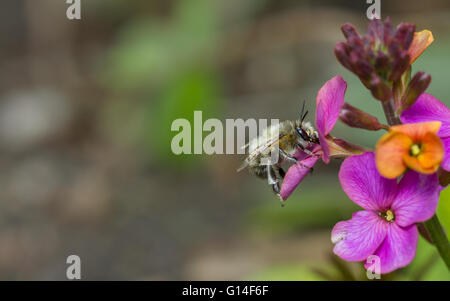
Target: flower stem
x=439 y=238
x=389 y=112
x=433 y=225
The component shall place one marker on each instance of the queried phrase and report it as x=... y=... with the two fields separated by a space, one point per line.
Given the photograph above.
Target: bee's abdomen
x=258 y=170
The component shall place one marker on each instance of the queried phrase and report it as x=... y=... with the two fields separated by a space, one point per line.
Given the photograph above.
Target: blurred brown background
x=85 y=114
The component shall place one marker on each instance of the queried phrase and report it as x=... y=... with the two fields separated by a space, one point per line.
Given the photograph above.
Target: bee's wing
x=262 y=147
x=258 y=150
x=243 y=166
x=245 y=146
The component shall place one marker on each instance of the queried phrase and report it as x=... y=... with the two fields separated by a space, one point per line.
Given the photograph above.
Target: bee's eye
x=301 y=133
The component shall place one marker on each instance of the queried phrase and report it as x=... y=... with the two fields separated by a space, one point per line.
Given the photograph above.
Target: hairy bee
x=285 y=138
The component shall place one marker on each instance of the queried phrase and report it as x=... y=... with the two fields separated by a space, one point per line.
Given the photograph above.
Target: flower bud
x=340 y=50
x=399 y=65
x=354 y=117
x=349 y=31
x=361 y=67
x=382 y=63
x=418 y=84
x=405 y=34
x=380 y=90
x=375 y=30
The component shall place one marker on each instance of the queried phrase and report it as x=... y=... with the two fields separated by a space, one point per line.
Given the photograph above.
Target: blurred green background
x=85 y=114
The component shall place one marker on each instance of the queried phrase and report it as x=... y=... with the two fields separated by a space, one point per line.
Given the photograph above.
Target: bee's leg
x=294 y=160
x=271 y=177
x=276 y=189
x=282 y=173
x=277 y=174
x=307 y=151
x=286 y=156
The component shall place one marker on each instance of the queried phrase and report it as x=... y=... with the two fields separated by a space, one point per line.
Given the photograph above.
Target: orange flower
x=421 y=41
x=414 y=145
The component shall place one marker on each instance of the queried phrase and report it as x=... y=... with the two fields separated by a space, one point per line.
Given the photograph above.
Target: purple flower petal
x=428 y=108
x=295 y=174
x=364 y=185
x=446 y=162
x=444 y=130
x=398 y=249
x=301 y=155
x=359 y=237
x=330 y=98
x=417 y=198
x=325 y=148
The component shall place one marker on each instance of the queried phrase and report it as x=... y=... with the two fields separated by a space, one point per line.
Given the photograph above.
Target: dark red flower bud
x=382 y=63
x=399 y=66
x=356 y=45
x=418 y=84
x=340 y=50
x=349 y=31
x=361 y=67
x=380 y=90
x=405 y=34
x=388 y=31
x=375 y=30
x=354 y=117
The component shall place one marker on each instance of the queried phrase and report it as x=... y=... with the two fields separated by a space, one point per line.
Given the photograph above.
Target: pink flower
x=330 y=98
x=429 y=108
x=386 y=227
x=328 y=105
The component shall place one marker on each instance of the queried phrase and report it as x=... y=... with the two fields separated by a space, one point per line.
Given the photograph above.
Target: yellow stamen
x=389 y=215
x=415 y=150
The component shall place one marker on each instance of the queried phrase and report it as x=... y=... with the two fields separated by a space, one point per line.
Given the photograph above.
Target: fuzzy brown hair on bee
x=285 y=139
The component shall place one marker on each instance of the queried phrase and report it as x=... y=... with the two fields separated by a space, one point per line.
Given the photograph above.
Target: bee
x=284 y=138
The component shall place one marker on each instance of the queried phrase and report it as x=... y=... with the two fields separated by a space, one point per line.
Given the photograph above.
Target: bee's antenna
x=303 y=110
x=303 y=113
x=304 y=116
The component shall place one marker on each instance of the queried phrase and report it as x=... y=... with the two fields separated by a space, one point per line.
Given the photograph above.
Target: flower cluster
x=398 y=184
x=383 y=56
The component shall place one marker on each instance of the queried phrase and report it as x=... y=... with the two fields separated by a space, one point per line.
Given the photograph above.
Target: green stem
x=439 y=238
x=433 y=225
x=389 y=112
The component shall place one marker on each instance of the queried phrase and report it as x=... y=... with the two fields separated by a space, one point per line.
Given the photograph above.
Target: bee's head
x=305 y=130
x=302 y=133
